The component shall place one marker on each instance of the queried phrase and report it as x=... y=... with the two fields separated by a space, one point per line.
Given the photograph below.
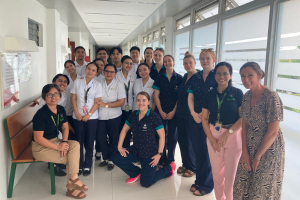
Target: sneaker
x=86 y=171
x=110 y=166
x=98 y=155
x=132 y=180
x=173 y=166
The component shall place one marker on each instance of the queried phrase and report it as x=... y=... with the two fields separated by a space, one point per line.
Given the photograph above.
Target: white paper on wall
x=24 y=67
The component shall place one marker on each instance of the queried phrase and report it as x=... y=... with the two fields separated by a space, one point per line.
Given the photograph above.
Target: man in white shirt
x=103 y=54
x=79 y=61
x=116 y=56
x=135 y=55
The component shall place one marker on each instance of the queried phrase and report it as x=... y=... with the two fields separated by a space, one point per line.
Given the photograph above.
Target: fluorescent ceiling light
x=112 y=33
x=110 y=23
x=111 y=28
x=88 y=13
x=137 y=2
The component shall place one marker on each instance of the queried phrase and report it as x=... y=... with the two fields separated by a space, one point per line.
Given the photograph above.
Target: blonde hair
x=210 y=50
x=189 y=55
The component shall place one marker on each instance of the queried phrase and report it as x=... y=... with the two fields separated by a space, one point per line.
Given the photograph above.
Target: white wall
x=80 y=39
x=63 y=42
x=14 y=16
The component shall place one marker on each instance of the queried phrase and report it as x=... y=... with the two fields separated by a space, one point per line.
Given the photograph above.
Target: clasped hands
x=167 y=116
x=63 y=147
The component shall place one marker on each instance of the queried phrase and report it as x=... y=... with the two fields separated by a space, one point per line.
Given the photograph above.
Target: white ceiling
x=111 y=21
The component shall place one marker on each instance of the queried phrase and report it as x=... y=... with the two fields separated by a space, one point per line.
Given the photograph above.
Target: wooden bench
x=19 y=132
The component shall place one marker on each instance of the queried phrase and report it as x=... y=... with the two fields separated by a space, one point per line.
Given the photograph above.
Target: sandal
x=69 y=193
x=181 y=170
x=202 y=192
x=188 y=173
x=194 y=187
x=73 y=185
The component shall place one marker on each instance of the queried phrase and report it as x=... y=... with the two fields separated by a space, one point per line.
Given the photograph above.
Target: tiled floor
x=111 y=185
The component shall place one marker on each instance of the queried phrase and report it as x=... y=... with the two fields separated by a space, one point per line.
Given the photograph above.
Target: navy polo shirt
x=183 y=110
x=154 y=73
x=168 y=90
x=229 y=112
x=196 y=88
x=144 y=131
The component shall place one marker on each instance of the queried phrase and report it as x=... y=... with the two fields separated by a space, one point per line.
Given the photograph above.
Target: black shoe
x=80 y=172
x=59 y=172
x=110 y=167
x=63 y=167
x=102 y=164
x=86 y=172
x=97 y=157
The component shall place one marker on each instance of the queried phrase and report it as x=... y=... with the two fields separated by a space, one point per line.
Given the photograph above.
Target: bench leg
x=11 y=179
x=52 y=176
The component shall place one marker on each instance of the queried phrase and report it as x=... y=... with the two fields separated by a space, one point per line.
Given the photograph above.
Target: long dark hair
x=228 y=65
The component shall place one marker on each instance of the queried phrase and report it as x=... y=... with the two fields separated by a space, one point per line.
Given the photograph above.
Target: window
x=183 y=22
x=155 y=45
x=247 y=43
x=33 y=31
x=149 y=37
x=181 y=46
x=144 y=47
x=287 y=63
x=155 y=34
x=149 y=45
x=202 y=40
x=163 y=31
x=145 y=39
x=207 y=11
x=230 y=4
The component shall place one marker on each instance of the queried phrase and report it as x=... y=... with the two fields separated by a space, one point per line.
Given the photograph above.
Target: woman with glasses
x=85 y=114
x=110 y=115
x=222 y=125
x=127 y=78
x=159 y=67
x=204 y=82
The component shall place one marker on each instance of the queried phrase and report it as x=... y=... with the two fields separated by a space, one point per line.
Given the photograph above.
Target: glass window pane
x=163 y=31
x=247 y=43
x=149 y=37
x=206 y=12
x=149 y=45
x=287 y=63
x=144 y=47
x=230 y=4
x=145 y=39
x=202 y=40
x=184 y=22
x=181 y=46
x=155 y=45
x=155 y=34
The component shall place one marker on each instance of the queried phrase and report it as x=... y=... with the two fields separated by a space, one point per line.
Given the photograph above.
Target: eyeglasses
x=52 y=95
x=109 y=72
x=220 y=74
x=102 y=54
x=128 y=63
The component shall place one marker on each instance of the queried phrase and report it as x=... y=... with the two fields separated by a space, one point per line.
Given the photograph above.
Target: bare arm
x=75 y=109
x=123 y=133
x=161 y=144
x=158 y=105
x=93 y=109
x=65 y=131
x=191 y=103
x=116 y=104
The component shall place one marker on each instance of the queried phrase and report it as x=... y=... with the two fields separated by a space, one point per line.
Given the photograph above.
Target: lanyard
x=219 y=104
x=56 y=125
x=85 y=95
x=127 y=89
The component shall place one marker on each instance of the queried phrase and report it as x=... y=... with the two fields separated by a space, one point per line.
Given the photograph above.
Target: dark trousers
x=125 y=116
x=203 y=169
x=85 y=133
x=185 y=144
x=149 y=175
x=111 y=128
x=170 y=141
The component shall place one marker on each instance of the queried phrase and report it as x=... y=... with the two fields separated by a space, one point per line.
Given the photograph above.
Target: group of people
x=231 y=142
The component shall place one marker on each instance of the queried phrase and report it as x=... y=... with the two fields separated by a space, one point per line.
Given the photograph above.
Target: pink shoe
x=132 y=180
x=173 y=166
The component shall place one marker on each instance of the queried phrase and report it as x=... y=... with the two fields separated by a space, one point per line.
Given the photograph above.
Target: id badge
x=127 y=108
x=218 y=126
x=85 y=110
x=60 y=135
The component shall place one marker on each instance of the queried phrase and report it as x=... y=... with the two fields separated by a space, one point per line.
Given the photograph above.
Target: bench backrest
x=18 y=129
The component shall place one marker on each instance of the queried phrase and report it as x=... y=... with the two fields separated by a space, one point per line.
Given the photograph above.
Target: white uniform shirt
x=62 y=102
x=99 y=78
x=79 y=89
x=138 y=87
x=111 y=93
x=131 y=77
x=119 y=69
x=80 y=70
x=68 y=107
x=134 y=67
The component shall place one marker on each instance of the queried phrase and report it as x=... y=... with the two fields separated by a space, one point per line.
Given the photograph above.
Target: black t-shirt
x=154 y=73
x=42 y=121
x=229 y=112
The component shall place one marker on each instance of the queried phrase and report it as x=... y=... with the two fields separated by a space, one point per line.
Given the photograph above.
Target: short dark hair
x=69 y=61
x=94 y=63
x=145 y=94
x=111 y=65
x=58 y=75
x=170 y=56
x=143 y=64
x=125 y=57
x=147 y=48
x=79 y=47
x=160 y=49
x=135 y=48
x=47 y=89
x=116 y=48
x=255 y=66
x=101 y=49
x=228 y=65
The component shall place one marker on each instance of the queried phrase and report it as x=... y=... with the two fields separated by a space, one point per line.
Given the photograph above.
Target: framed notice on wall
x=9 y=80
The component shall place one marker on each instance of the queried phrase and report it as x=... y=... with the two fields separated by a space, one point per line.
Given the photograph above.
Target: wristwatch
x=160 y=154
x=230 y=131
x=106 y=106
x=90 y=114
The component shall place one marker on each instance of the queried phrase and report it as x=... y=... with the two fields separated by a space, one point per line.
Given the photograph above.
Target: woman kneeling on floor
x=48 y=148
x=144 y=124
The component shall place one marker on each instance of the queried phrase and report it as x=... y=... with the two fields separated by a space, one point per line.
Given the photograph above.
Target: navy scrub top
x=199 y=88
x=144 y=132
x=154 y=73
x=183 y=110
x=168 y=90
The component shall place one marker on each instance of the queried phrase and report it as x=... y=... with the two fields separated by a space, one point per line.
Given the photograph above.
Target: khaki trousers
x=46 y=154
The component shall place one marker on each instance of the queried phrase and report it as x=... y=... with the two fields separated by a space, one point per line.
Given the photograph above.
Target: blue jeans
x=149 y=175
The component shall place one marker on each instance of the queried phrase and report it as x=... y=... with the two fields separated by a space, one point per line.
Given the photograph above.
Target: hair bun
x=187 y=53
